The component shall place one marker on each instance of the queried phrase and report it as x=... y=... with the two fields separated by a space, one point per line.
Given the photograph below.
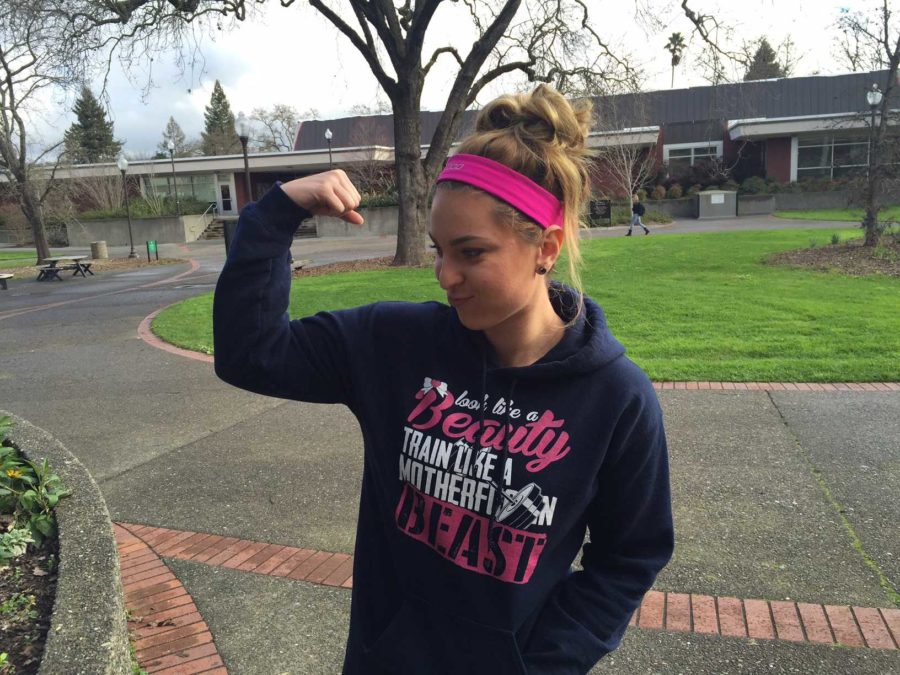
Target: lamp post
x=243 y=132
x=171 y=147
x=122 y=163
x=873 y=98
x=328 y=137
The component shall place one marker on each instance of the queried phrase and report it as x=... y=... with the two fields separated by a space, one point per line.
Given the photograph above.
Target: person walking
x=497 y=428
x=637 y=210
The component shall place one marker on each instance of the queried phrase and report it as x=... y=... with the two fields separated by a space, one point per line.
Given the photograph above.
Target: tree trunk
x=412 y=186
x=32 y=211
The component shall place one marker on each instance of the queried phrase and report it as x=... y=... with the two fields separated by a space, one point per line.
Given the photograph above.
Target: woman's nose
x=447 y=274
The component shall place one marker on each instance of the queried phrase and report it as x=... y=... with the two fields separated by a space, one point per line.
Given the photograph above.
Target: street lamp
x=873 y=98
x=171 y=147
x=243 y=132
x=122 y=163
x=328 y=137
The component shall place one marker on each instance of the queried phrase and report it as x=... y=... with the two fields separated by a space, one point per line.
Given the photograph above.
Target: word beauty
x=542 y=439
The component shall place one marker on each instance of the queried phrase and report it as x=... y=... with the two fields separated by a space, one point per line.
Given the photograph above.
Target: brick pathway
x=183 y=643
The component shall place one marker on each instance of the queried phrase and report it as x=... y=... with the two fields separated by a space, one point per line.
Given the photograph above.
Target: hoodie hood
x=587 y=344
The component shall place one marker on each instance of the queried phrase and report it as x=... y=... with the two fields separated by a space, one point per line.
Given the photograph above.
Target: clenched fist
x=326 y=194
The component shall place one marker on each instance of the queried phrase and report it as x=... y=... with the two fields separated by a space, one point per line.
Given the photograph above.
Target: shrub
x=659 y=192
x=694 y=190
x=711 y=187
x=730 y=185
x=753 y=185
x=835 y=239
x=28 y=490
x=642 y=194
x=370 y=200
x=675 y=191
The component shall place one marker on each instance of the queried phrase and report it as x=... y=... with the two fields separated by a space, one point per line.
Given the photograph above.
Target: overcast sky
x=293 y=56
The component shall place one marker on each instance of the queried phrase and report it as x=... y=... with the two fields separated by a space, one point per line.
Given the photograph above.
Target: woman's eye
x=472 y=252
x=436 y=250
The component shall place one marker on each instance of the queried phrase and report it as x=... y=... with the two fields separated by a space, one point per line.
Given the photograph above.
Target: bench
x=78 y=268
x=3 y=278
x=47 y=272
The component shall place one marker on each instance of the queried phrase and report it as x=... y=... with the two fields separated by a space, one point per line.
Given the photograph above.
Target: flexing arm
x=257 y=347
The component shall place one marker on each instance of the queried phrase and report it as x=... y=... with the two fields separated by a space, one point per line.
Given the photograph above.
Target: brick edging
x=874 y=628
x=781 y=386
x=849 y=626
x=168 y=632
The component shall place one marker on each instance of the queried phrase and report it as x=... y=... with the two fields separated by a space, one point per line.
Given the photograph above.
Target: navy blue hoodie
x=479 y=481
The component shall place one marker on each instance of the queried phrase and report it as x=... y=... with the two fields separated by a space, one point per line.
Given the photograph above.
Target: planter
x=88 y=632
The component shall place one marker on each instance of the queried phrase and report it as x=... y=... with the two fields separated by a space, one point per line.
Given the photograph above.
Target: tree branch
x=371 y=57
x=437 y=53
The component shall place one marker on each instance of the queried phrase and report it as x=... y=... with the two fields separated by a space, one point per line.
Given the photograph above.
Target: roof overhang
x=750 y=129
x=302 y=160
x=636 y=136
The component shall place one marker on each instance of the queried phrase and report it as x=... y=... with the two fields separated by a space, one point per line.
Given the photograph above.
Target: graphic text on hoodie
x=457 y=500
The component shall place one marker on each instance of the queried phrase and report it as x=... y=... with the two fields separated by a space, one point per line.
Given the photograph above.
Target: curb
x=865 y=627
x=88 y=634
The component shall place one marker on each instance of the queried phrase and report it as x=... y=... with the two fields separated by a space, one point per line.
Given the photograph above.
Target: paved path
x=780 y=496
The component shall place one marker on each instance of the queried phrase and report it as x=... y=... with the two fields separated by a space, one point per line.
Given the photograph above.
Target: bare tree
x=537 y=42
x=878 y=32
x=372 y=172
x=628 y=162
x=51 y=44
x=26 y=70
x=276 y=128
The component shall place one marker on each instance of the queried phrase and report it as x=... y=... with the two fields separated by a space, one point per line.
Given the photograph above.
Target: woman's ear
x=550 y=246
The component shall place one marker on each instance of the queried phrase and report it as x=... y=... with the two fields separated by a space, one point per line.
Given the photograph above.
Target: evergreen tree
x=90 y=139
x=764 y=65
x=173 y=133
x=219 y=136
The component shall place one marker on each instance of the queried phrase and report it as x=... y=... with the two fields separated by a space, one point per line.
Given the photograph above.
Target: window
x=682 y=156
x=200 y=188
x=831 y=157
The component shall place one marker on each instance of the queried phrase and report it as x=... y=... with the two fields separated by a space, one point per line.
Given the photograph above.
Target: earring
x=541 y=270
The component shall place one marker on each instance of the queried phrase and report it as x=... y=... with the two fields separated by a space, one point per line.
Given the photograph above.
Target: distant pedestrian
x=637 y=210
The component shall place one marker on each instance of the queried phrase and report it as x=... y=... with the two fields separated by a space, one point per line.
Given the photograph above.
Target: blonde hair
x=542 y=136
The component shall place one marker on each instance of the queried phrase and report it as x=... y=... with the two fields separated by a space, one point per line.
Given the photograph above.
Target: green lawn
x=687 y=307
x=849 y=215
x=18 y=258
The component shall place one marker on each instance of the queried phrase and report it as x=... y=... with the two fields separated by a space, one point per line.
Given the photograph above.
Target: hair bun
x=543 y=116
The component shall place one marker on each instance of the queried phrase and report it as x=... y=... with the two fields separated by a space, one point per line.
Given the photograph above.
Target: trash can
x=99 y=250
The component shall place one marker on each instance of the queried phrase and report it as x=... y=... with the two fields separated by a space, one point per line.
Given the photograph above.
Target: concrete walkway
x=783 y=497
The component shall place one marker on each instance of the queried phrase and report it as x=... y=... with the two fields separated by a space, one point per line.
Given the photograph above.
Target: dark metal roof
x=685 y=114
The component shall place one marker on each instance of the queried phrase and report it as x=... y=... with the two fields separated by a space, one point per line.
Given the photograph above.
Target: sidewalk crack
x=889 y=589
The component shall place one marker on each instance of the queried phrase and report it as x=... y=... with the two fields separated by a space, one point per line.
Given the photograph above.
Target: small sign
x=151 y=248
x=600 y=209
x=717 y=199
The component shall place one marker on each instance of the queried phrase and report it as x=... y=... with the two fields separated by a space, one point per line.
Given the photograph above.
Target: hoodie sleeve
x=631 y=540
x=257 y=347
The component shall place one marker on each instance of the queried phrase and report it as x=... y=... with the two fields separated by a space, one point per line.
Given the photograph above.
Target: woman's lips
x=458 y=300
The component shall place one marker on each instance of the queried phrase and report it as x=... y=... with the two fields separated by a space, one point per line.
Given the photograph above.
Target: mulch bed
x=27 y=591
x=850 y=257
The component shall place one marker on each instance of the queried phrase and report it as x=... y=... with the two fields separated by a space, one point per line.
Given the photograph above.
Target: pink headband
x=507 y=185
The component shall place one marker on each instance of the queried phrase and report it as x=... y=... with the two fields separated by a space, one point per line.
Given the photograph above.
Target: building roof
x=685 y=114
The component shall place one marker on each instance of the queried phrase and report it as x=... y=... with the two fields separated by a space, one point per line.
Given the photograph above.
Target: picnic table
x=60 y=263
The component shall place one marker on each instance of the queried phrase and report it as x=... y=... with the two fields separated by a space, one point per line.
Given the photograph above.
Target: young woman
x=497 y=428
x=637 y=210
